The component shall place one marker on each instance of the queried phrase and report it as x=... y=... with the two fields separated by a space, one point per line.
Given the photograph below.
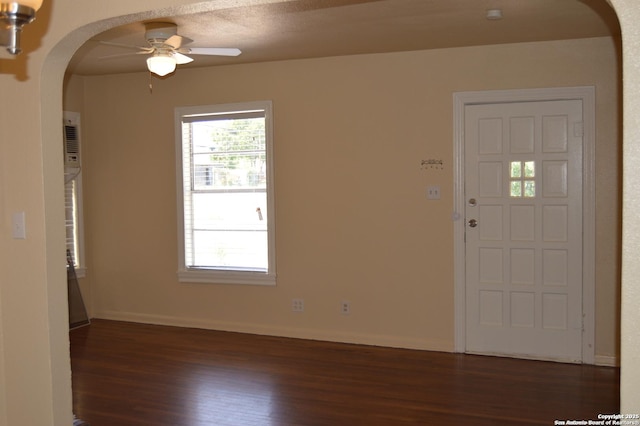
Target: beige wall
x=353 y=221
x=35 y=385
x=629 y=16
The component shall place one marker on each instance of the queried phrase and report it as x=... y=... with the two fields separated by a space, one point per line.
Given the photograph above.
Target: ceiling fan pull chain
x=150 y=83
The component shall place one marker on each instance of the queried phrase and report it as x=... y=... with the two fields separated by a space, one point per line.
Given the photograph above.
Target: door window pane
x=522 y=182
x=516 y=169
x=530 y=169
x=516 y=188
x=529 y=188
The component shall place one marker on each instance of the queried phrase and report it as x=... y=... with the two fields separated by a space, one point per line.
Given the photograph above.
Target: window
x=73 y=191
x=522 y=182
x=225 y=193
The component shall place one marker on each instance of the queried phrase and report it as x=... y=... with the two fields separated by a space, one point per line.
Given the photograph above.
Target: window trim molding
x=220 y=275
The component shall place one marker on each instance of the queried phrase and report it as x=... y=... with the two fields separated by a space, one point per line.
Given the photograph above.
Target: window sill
x=226 y=277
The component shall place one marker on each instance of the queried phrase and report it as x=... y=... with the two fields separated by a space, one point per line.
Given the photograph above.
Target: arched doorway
x=50 y=122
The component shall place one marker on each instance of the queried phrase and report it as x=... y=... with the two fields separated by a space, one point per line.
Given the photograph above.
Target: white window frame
x=225 y=275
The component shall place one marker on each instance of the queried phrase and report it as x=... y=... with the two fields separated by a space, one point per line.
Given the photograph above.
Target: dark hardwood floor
x=133 y=375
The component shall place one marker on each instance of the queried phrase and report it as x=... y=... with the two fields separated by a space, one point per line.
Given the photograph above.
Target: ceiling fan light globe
x=161 y=65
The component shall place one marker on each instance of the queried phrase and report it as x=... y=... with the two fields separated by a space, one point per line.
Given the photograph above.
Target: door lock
x=473 y=223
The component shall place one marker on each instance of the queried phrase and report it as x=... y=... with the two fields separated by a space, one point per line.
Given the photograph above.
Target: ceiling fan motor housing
x=159 y=32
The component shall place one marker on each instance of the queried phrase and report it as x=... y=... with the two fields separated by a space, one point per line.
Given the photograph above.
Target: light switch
x=433 y=192
x=18 y=224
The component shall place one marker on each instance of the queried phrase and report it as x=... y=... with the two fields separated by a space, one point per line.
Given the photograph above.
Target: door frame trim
x=587 y=95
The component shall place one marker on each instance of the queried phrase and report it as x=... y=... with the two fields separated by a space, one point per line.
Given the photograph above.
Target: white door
x=523 y=252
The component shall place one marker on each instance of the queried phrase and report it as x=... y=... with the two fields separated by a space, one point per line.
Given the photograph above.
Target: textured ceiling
x=319 y=28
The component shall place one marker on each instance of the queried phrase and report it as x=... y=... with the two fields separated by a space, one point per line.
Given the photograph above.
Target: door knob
x=473 y=223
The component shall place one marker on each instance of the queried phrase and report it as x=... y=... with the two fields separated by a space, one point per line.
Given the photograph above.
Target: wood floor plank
x=136 y=374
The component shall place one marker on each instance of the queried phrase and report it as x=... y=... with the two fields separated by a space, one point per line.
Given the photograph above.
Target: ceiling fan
x=168 y=49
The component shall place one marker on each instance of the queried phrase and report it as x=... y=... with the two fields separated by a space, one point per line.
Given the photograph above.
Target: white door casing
x=524 y=281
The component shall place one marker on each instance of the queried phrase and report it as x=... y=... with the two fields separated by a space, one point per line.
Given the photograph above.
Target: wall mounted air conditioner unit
x=71 y=132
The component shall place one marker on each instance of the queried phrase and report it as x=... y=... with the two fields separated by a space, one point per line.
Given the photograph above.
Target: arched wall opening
x=52 y=83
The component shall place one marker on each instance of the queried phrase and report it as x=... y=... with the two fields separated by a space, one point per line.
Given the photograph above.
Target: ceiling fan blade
x=182 y=59
x=177 y=41
x=124 y=55
x=217 y=51
x=126 y=46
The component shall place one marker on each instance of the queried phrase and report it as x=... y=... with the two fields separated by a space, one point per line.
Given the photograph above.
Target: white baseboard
x=280 y=331
x=607 y=361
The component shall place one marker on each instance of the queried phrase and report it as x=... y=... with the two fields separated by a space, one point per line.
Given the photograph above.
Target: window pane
x=230 y=211
x=529 y=188
x=231 y=249
x=516 y=169
x=71 y=219
x=223 y=170
x=229 y=135
x=529 y=169
x=230 y=230
x=229 y=153
x=516 y=189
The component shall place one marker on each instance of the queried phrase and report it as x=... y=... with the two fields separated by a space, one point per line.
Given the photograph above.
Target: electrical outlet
x=345 y=307
x=297 y=305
